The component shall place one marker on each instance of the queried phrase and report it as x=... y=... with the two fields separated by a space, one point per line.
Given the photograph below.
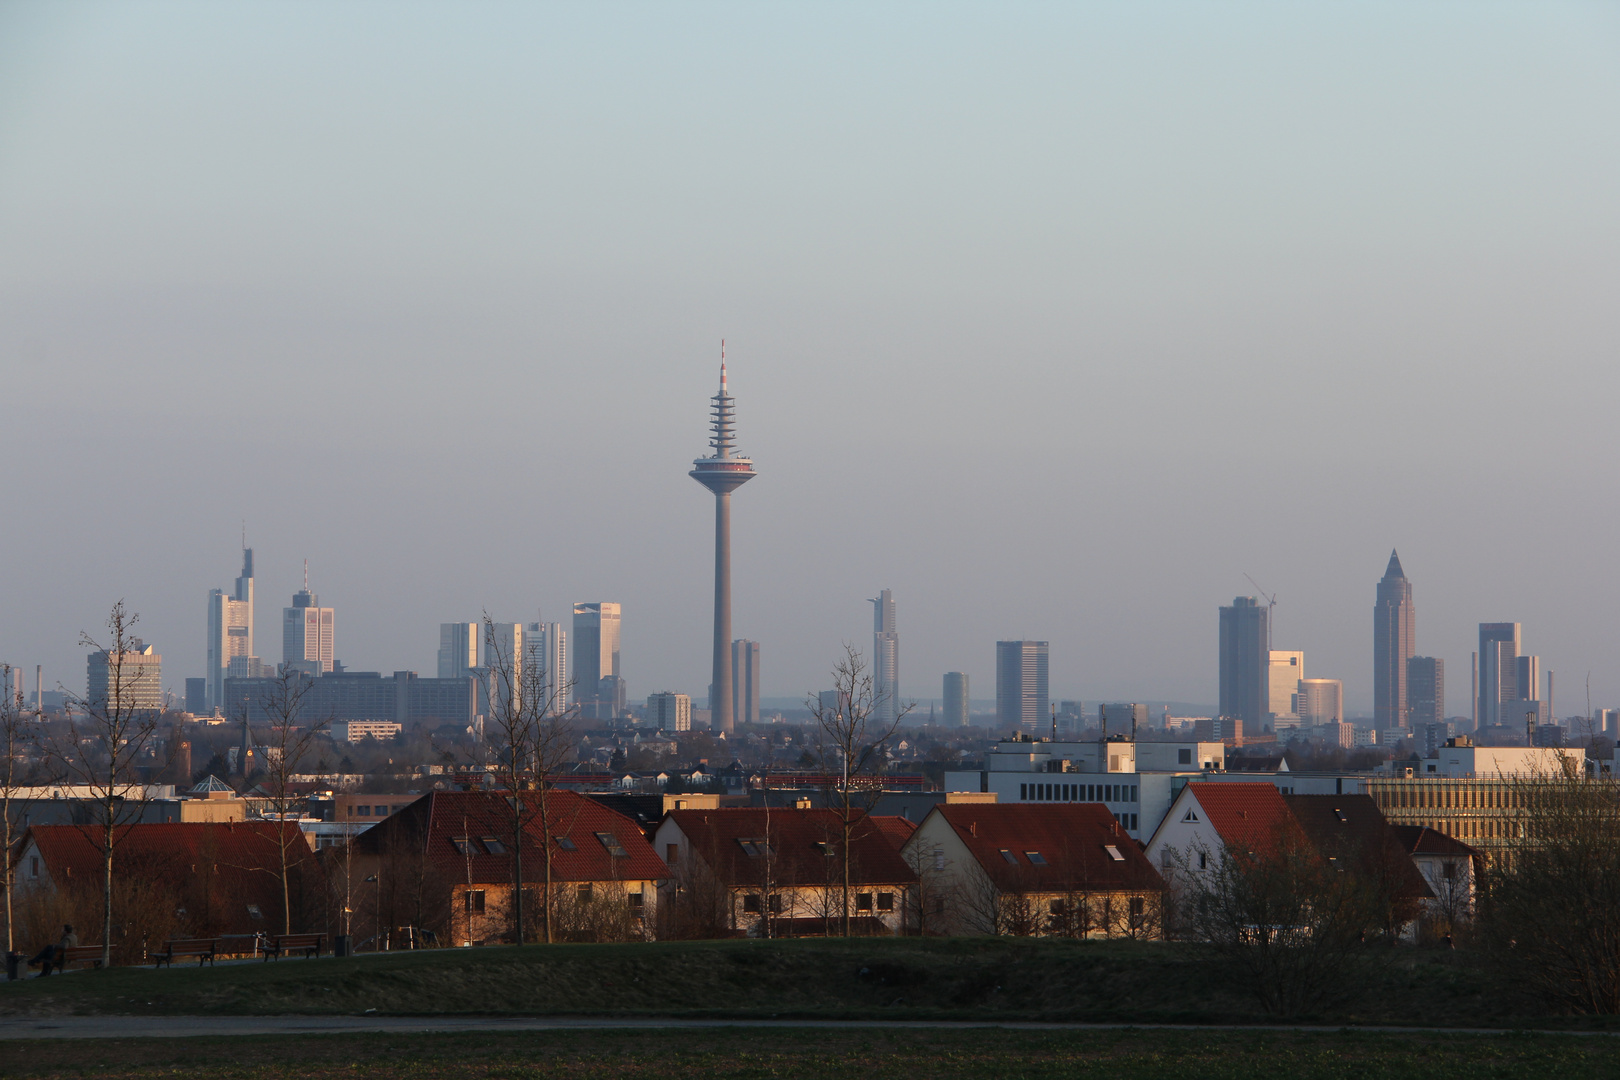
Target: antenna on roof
x=306 y=575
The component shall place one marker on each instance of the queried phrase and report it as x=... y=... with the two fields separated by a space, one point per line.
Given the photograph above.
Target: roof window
x=1114 y=853
x=753 y=847
x=1340 y=815
x=463 y=844
x=493 y=845
x=1009 y=856
x=1035 y=857
x=565 y=843
x=614 y=848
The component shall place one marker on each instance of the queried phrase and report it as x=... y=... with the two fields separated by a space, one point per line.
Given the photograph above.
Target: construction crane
x=1271 y=609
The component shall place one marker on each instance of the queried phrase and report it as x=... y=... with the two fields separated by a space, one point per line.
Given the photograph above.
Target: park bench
x=78 y=954
x=202 y=948
x=278 y=945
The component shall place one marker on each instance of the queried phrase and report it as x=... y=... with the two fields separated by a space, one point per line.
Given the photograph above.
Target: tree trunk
x=107 y=893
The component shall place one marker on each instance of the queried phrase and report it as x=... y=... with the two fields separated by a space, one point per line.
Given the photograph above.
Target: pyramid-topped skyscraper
x=1394 y=642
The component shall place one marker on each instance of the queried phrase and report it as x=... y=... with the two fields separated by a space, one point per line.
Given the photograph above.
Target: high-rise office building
x=1498 y=672
x=669 y=712
x=1425 y=691
x=1021 y=685
x=745 y=681
x=722 y=474
x=230 y=629
x=547 y=643
x=1321 y=701
x=956 y=699
x=1394 y=643
x=1121 y=719
x=1282 y=687
x=132 y=679
x=595 y=645
x=1245 y=662
x=196 y=696
x=885 y=659
x=306 y=632
x=458 y=649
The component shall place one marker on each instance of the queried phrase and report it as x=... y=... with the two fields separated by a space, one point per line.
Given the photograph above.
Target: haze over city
x=1056 y=321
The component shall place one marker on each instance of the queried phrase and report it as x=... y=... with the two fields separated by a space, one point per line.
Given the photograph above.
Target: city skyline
x=1215 y=233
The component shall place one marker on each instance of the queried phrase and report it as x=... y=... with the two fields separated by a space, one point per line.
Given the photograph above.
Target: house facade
x=1068 y=870
x=449 y=861
x=769 y=872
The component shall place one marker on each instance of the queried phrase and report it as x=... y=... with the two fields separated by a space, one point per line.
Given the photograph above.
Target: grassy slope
x=828 y=1055
x=906 y=978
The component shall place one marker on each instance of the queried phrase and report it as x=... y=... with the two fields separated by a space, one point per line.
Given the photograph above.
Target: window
x=636 y=900
x=473 y=901
x=33 y=866
x=863 y=901
x=826 y=848
x=381 y=811
x=672 y=854
x=1203 y=860
x=1133 y=793
x=1009 y=856
x=493 y=845
x=1058 y=906
x=614 y=848
x=1137 y=907
x=1035 y=857
x=1184 y=756
x=363 y=811
x=752 y=848
x=1449 y=870
x=885 y=901
x=1190 y=815
x=254 y=912
x=463 y=844
x=1023 y=791
x=584 y=892
x=751 y=902
x=1114 y=853
x=774 y=903
x=1166 y=860
x=939 y=860
x=565 y=843
x=1340 y=815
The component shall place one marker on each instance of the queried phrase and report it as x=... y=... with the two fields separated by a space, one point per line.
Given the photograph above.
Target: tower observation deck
x=722 y=474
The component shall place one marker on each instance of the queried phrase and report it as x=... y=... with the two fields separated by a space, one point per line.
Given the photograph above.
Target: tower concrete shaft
x=722 y=474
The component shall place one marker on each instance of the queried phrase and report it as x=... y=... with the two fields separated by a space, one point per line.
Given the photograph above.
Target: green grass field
x=979 y=979
x=831 y=1054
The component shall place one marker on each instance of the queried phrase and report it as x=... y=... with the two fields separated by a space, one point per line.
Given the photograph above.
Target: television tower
x=722 y=473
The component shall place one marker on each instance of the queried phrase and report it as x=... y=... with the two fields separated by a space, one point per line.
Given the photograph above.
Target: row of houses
x=444 y=867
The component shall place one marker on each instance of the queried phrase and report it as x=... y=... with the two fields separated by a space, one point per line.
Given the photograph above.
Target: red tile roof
x=435 y=822
x=895 y=827
x=1076 y=841
x=1249 y=816
x=804 y=846
x=239 y=861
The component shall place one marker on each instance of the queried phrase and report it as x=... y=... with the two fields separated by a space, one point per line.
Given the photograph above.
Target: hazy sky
x=1055 y=320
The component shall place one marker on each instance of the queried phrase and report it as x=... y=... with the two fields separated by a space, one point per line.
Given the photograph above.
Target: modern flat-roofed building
x=1498 y=672
x=458 y=649
x=956 y=699
x=1425 y=691
x=1245 y=662
x=595 y=645
x=669 y=711
x=1321 y=701
x=307 y=632
x=1282 y=687
x=745 y=676
x=1021 y=685
x=230 y=629
x=132 y=679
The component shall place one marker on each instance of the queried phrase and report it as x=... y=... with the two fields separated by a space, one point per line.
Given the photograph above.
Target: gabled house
x=1450 y=867
x=1347 y=833
x=1065 y=869
x=447 y=863
x=779 y=872
x=197 y=879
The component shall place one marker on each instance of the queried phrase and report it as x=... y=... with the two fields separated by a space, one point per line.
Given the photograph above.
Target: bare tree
x=534 y=730
x=852 y=743
x=1286 y=921
x=1550 y=911
x=106 y=732
x=13 y=739
x=288 y=741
